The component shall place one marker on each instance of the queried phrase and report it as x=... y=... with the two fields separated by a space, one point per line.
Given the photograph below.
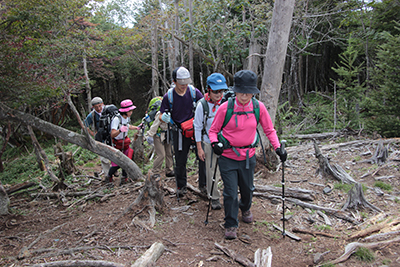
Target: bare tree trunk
x=164 y=51
x=43 y=156
x=176 y=42
x=87 y=84
x=5 y=145
x=154 y=59
x=276 y=53
x=254 y=51
x=37 y=148
x=191 y=68
x=275 y=60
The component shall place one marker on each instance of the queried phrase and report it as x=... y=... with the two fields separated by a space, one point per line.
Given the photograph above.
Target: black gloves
x=282 y=155
x=218 y=148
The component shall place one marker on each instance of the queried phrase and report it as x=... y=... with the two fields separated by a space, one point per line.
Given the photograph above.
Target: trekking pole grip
x=283 y=142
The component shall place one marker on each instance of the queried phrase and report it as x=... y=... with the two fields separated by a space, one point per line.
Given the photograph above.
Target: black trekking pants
x=181 y=150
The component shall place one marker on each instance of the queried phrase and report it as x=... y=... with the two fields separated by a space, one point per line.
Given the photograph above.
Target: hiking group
x=222 y=131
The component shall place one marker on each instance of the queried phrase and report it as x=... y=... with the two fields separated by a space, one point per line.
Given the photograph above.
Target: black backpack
x=107 y=115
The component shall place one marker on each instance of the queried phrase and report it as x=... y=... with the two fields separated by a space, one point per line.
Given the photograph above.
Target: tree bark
x=154 y=59
x=276 y=53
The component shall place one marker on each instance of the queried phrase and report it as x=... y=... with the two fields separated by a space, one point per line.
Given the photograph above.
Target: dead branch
x=356 y=198
x=289 y=234
x=337 y=213
x=19 y=187
x=78 y=263
x=299 y=193
x=304 y=231
x=352 y=247
x=375 y=228
x=237 y=257
x=53 y=252
x=25 y=250
x=150 y=256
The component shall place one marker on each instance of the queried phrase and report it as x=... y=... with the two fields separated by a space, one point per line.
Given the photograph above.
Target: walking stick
x=212 y=189
x=171 y=141
x=283 y=189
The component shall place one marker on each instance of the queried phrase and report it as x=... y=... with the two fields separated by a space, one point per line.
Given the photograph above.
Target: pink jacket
x=244 y=132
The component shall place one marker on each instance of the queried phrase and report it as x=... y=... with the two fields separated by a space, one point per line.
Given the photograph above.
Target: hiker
x=235 y=145
x=93 y=119
x=157 y=135
x=177 y=107
x=203 y=118
x=119 y=134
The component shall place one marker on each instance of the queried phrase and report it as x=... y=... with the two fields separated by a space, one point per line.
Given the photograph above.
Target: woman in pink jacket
x=235 y=143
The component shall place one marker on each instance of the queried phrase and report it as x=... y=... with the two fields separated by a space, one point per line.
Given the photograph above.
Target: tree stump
x=334 y=170
x=380 y=155
x=356 y=198
x=66 y=159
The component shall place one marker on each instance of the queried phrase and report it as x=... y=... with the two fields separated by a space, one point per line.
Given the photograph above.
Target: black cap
x=245 y=81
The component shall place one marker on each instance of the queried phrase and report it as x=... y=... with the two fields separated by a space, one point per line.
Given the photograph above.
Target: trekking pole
x=212 y=189
x=171 y=141
x=283 y=189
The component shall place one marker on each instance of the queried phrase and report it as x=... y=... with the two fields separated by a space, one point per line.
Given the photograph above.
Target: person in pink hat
x=119 y=134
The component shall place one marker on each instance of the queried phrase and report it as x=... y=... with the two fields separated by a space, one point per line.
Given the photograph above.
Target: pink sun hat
x=126 y=105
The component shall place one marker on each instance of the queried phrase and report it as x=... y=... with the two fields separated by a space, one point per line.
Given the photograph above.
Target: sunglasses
x=217 y=91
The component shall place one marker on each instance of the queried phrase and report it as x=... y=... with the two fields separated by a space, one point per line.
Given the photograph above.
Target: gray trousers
x=234 y=174
x=163 y=151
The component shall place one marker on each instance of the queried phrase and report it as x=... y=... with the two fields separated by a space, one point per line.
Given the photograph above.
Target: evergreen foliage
x=383 y=104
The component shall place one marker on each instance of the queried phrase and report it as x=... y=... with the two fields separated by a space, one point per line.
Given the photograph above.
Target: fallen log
x=337 y=213
x=289 y=234
x=150 y=256
x=352 y=247
x=299 y=193
x=236 y=257
x=304 y=231
x=19 y=187
x=374 y=228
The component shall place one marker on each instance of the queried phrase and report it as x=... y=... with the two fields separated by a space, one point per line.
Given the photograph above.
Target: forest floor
x=47 y=229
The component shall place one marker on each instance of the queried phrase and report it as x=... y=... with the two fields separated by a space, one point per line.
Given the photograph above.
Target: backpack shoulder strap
x=206 y=109
x=170 y=98
x=192 y=93
x=229 y=111
x=256 y=108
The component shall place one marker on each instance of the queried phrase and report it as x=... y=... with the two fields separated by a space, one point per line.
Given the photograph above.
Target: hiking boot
x=107 y=179
x=230 y=233
x=203 y=190
x=215 y=205
x=180 y=192
x=124 y=180
x=170 y=174
x=247 y=216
